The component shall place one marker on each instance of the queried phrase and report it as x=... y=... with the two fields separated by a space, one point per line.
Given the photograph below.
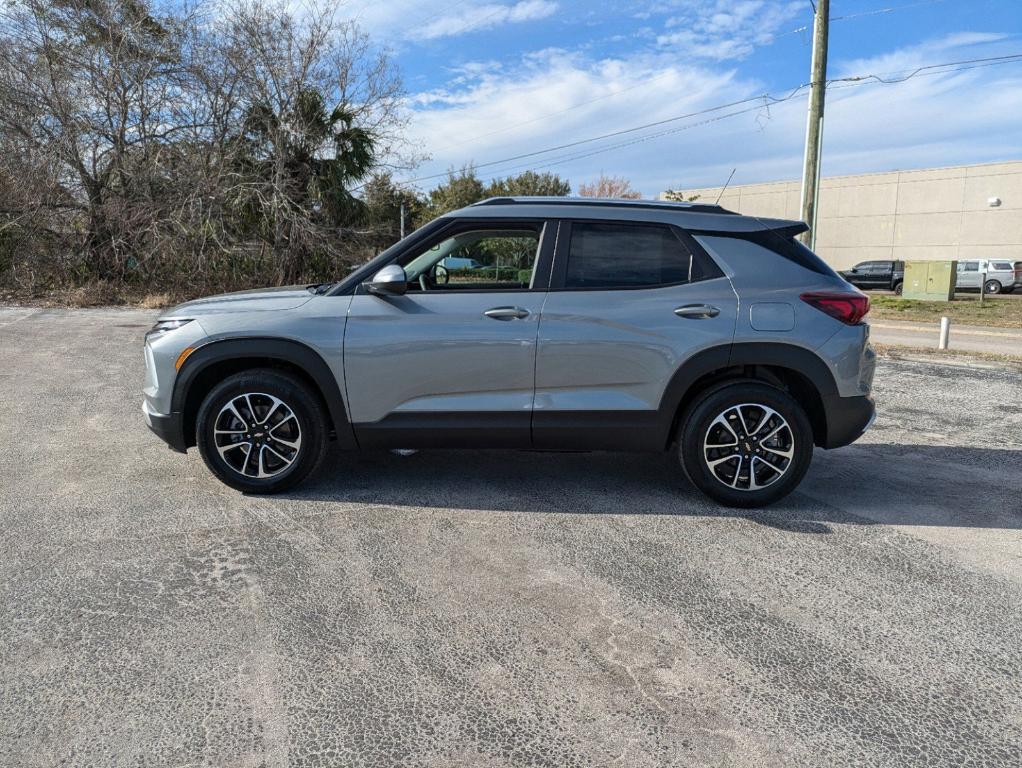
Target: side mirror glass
x=389 y=281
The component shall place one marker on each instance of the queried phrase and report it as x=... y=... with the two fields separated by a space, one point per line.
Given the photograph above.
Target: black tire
x=993 y=286
x=695 y=427
x=308 y=412
x=898 y=287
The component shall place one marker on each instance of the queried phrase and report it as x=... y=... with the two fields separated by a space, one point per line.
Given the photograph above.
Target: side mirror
x=389 y=281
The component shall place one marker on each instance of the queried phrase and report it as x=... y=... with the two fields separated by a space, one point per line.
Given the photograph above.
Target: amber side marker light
x=182 y=357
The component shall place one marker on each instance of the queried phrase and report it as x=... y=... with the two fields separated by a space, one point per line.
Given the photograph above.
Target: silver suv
x=1000 y=275
x=581 y=325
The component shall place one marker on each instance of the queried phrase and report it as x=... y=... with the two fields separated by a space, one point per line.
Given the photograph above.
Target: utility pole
x=814 y=124
x=402 y=221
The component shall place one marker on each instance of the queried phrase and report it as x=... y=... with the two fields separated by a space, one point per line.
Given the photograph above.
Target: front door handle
x=507 y=313
x=697 y=311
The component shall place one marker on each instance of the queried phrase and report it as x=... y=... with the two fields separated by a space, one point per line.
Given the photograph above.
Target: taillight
x=847 y=307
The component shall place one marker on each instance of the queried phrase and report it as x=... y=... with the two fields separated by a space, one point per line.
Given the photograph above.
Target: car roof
x=699 y=217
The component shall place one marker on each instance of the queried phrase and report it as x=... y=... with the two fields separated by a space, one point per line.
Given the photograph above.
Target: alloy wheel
x=257 y=435
x=748 y=447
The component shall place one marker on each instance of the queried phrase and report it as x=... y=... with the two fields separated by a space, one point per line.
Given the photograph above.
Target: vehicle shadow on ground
x=865 y=484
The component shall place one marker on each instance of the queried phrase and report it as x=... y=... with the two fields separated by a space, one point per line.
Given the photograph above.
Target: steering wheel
x=441 y=275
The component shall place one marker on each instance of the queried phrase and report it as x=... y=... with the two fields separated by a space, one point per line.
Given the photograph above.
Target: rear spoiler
x=780 y=227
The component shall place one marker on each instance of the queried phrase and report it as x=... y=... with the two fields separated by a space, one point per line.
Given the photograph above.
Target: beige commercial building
x=961 y=212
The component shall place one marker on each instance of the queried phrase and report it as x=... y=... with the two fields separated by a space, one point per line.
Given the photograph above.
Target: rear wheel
x=261 y=431
x=898 y=287
x=992 y=286
x=745 y=444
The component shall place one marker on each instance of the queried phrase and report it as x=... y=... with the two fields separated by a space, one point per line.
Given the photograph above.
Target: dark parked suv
x=877 y=275
x=587 y=325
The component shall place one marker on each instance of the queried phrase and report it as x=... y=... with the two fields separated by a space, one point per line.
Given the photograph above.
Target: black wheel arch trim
x=288 y=351
x=798 y=359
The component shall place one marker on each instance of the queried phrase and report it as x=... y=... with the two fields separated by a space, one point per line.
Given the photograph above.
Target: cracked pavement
x=499 y=608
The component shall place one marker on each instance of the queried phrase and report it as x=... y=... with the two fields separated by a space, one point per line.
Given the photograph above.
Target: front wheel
x=898 y=288
x=745 y=444
x=261 y=431
x=992 y=286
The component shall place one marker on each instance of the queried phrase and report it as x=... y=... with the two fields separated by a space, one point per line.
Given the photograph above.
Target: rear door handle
x=697 y=311
x=507 y=313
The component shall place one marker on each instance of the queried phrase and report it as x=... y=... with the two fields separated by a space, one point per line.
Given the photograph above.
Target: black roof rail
x=608 y=203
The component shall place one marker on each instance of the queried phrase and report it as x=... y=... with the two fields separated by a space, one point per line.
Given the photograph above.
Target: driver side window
x=476 y=260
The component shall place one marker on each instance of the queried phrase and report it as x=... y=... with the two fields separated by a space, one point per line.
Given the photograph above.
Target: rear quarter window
x=781 y=244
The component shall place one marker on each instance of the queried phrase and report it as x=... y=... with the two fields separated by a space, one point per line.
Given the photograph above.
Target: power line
x=878 y=11
x=804 y=28
x=762 y=97
x=632 y=142
x=883 y=77
x=860 y=14
x=766 y=99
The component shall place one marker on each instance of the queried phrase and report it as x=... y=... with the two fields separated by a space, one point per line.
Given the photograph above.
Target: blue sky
x=492 y=79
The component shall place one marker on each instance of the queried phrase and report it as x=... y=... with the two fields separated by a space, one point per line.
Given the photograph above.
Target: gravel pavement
x=499 y=608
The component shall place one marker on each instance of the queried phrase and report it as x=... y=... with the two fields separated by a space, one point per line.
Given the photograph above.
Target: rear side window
x=1001 y=265
x=759 y=245
x=611 y=256
x=784 y=243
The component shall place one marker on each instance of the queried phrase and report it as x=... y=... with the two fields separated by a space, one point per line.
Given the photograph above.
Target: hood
x=263 y=299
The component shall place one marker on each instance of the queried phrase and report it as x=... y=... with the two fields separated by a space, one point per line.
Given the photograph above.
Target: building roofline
x=860 y=175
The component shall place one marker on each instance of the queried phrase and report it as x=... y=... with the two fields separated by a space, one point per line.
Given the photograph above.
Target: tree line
x=154 y=145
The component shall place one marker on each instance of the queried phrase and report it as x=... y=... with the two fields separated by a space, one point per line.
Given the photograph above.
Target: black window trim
x=544 y=257
x=559 y=273
x=781 y=242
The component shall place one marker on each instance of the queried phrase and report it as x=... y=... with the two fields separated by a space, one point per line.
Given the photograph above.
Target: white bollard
x=945 y=332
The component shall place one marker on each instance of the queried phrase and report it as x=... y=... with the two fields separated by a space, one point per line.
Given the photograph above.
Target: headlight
x=163 y=326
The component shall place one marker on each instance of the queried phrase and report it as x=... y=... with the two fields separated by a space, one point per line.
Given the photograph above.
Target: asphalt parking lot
x=499 y=608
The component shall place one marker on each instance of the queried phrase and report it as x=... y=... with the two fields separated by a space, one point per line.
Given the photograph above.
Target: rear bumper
x=167 y=428
x=847 y=419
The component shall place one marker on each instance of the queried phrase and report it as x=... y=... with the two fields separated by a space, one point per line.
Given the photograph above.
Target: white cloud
x=435 y=19
x=726 y=29
x=487 y=16
x=555 y=97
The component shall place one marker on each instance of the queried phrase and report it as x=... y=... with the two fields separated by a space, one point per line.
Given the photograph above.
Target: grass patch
x=899 y=352
x=1003 y=313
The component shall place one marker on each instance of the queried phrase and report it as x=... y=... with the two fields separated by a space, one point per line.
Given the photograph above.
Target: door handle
x=507 y=313
x=697 y=311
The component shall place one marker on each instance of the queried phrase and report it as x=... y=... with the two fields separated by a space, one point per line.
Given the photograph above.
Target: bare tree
x=186 y=141
x=609 y=186
x=320 y=109
x=87 y=88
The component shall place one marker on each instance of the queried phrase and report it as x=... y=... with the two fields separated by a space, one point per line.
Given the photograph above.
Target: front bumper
x=168 y=428
x=847 y=419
